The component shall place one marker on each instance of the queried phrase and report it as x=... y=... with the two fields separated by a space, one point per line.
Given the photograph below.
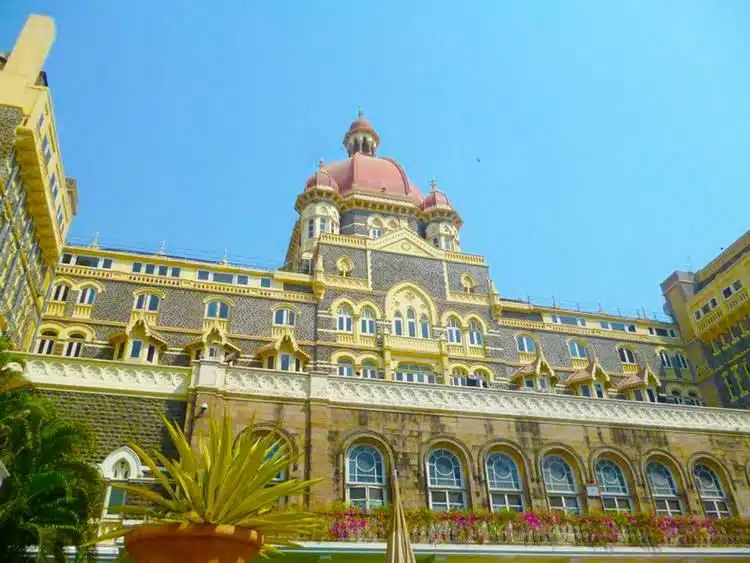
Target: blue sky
x=611 y=136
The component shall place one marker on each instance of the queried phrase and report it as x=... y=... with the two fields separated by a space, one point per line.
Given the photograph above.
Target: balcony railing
x=419 y=345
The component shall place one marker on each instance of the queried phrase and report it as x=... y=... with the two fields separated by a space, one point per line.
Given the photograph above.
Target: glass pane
x=357 y=493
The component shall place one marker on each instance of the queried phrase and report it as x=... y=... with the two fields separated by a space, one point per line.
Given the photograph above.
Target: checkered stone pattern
x=480 y=274
x=115 y=303
x=97 y=352
x=354 y=223
x=117 y=421
x=355 y=296
x=482 y=311
x=10 y=118
x=298 y=288
x=389 y=269
x=177 y=359
x=103 y=333
x=520 y=315
x=331 y=253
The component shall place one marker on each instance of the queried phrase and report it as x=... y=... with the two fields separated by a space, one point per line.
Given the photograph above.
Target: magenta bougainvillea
x=425 y=526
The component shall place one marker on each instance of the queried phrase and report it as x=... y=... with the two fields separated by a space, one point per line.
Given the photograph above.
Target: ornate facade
x=381 y=344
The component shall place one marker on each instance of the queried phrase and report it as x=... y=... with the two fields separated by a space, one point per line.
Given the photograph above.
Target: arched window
x=74 y=347
x=60 y=292
x=561 y=485
x=664 y=359
x=217 y=310
x=677 y=396
x=147 y=302
x=411 y=322
x=398 y=324
x=506 y=492
x=613 y=487
x=445 y=481
x=122 y=472
x=664 y=489
x=627 y=356
x=376 y=229
x=475 y=334
x=468 y=283
x=284 y=316
x=345 y=266
x=712 y=494
x=367 y=321
x=346 y=367
x=526 y=344
x=369 y=369
x=681 y=360
x=577 y=350
x=365 y=477
x=415 y=374
x=424 y=326
x=693 y=399
x=453 y=331
x=46 y=342
x=86 y=296
x=459 y=377
x=344 y=319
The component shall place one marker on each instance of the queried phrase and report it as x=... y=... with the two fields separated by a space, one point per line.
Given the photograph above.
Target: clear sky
x=591 y=147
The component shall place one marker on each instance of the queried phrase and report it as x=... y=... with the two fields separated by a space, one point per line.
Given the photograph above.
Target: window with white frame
x=345 y=367
x=504 y=483
x=370 y=370
x=664 y=489
x=217 y=310
x=365 y=477
x=613 y=487
x=46 y=343
x=147 y=302
x=144 y=351
x=568 y=320
x=376 y=230
x=681 y=360
x=627 y=356
x=424 y=326
x=665 y=359
x=713 y=497
x=344 y=319
x=86 y=296
x=60 y=292
x=476 y=337
x=284 y=316
x=74 y=347
x=411 y=323
x=121 y=473
x=453 y=330
x=561 y=485
x=525 y=344
x=398 y=324
x=445 y=481
x=414 y=374
x=459 y=377
x=367 y=321
x=731 y=289
x=577 y=350
x=599 y=390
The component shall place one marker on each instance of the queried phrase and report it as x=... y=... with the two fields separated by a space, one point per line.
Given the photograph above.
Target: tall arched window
x=526 y=344
x=613 y=487
x=664 y=489
x=475 y=334
x=344 y=319
x=346 y=367
x=627 y=356
x=365 y=477
x=665 y=359
x=411 y=322
x=712 y=494
x=445 y=481
x=369 y=369
x=121 y=472
x=86 y=296
x=147 y=302
x=454 y=331
x=459 y=377
x=46 y=342
x=561 y=485
x=424 y=326
x=74 y=347
x=367 y=321
x=60 y=292
x=577 y=350
x=284 y=316
x=506 y=492
x=217 y=310
x=398 y=324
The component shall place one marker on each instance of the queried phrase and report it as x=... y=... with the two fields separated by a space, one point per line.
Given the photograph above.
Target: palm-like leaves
x=222 y=481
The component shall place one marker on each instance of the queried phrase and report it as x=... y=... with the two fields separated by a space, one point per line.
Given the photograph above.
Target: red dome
x=361 y=172
x=360 y=124
x=322 y=178
x=436 y=199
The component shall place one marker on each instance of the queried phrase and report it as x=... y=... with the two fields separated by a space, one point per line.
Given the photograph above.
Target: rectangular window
x=599 y=388
x=285 y=361
x=120 y=351
x=622 y=327
x=150 y=269
x=658 y=331
x=651 y=395
x=135 y=349
x=46 y=150
x=107 y=263
x=265 y=282
x=53 y=185
x=638 y=395
x=151 y=353
x=568 y=320
x=203 y=275
x=88 y=261
x=67 y=258
x=270 y=361
x=223 y=278
x=163 y=270
x=528 y=383
x=242 y=280
x=585 y=391
x=137 y=267
x=311 y=228
x=175 y=272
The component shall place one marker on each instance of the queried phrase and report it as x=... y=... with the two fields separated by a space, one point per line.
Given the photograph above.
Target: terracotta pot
x=192 y=543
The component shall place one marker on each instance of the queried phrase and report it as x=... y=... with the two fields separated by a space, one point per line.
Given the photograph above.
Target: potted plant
x=218 y=503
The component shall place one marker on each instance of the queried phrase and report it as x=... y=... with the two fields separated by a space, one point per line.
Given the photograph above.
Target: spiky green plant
x=222 y=481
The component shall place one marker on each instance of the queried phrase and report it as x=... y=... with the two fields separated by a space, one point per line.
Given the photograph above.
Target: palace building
x=382 y=343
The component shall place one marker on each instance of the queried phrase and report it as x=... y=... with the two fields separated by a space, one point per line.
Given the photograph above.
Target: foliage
x=222 y=481
x=51 y=494
x=645 y=530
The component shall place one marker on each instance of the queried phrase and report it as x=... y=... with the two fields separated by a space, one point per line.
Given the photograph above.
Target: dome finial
x=433 y=185
x=360 y=113
x=361 y=136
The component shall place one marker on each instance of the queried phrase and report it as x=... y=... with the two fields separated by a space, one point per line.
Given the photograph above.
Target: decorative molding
x=268 y=384
x=345 y=282
x=103 y=375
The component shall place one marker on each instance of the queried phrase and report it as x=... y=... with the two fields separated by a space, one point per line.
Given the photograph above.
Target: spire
x=433 y=186
x=361 y=136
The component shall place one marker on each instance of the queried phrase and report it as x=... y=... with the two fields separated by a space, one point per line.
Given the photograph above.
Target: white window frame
x=627 y=356
x=512 y=487
x=46 y=343
x=618 y=495
x=378 y=483
x=345 y=367
x=74 y=347
x=145 y=301
x=569 y=495
x=288 y=316
x=87 y=295
x=453 y=331
x=665 y=359
x=682 y=362
x=476 y=334
x=436 y=488
x=60 y=288
x=526 y=344
x=664 y=501
x=220 y=307
x=367 y=322
x=345 y=319
x=577 y=350
x=712 y=502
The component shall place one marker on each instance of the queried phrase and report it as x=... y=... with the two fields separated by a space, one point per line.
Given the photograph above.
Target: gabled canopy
x=135 y=328
x=643 y=378
x=214 y=334
x=593 y=372
x=286 y=340
x=538 y=367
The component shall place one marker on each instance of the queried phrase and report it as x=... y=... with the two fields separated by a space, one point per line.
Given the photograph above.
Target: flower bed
x=425 y=526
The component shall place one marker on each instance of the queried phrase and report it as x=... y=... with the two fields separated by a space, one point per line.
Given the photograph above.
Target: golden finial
x=162 y=248
x=225 y=259
x=95 y=242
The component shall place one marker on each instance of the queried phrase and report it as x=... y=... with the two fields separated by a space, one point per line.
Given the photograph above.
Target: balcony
x=413 y=345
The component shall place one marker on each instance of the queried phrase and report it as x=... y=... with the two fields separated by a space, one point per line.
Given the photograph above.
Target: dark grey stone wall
x=480 y=274
x=331 y=253
x=389 y=269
